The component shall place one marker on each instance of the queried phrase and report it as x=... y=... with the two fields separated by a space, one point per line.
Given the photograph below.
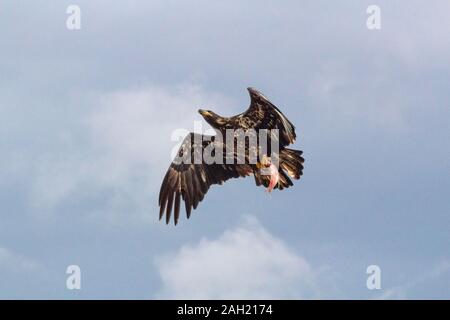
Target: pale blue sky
x=85 y=141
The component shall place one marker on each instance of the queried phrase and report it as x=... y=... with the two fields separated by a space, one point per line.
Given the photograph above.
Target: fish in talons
x=266 y=167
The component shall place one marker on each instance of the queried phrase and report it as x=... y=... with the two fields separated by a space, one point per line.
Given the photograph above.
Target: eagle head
x=212 y=118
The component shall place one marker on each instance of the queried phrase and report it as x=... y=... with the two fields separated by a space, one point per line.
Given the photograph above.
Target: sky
x=86 y=127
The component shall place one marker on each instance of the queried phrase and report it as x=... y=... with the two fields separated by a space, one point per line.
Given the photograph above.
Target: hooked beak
x=204 y=112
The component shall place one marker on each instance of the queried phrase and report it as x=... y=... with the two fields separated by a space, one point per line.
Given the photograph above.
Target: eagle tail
x=292 y=161
x=291 y=165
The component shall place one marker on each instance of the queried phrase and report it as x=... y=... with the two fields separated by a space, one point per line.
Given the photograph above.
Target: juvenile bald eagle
x=190 y=181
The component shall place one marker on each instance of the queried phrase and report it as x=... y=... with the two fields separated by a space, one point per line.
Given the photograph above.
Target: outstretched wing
x=187 y=180
x=263 y=114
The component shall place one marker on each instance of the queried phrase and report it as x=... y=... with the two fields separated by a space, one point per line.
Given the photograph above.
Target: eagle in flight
x=190 y=181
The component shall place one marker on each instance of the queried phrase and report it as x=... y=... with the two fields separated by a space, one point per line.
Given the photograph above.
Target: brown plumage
x=190 y=182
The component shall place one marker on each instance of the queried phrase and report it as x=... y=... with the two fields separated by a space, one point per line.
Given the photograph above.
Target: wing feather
x=191 y=182
x=263 y=114
x=177 y=206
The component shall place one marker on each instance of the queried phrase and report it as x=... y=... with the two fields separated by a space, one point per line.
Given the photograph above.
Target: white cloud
x=394 y=293
x=416 y=287
x=125 y=149
x=134 y=126
x=12 y=262
x=416 y=33
x=345 y=96
x=246 y=262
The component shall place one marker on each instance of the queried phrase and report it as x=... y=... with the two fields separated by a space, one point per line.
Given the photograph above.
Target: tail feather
x=291 y=166
x=284 y=181
x=292 y=162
